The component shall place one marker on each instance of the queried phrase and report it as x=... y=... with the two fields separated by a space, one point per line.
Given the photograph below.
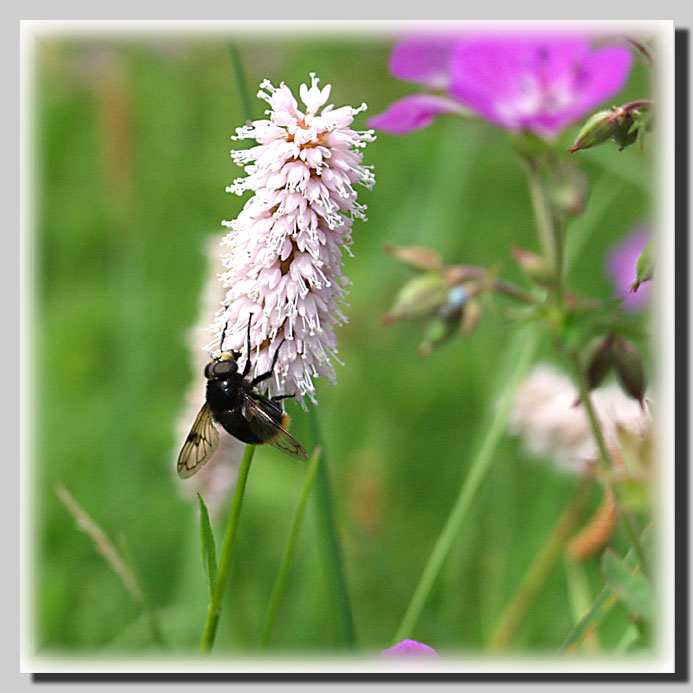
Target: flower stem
x=332 y=555
x=214 y=608
x=240 y=78
x=538 y=570
x=608 y=460
x=519 y=356
x=290 y=550
x=550 y=232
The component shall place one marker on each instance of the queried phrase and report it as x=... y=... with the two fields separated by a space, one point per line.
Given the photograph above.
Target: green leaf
x=209 y=553
x=632 y=588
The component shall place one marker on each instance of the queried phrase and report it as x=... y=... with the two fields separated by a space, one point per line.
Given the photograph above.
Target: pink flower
x=621 y=265
x=551 y=426
x=409 y=647
x=285 y=247
x=540 y=83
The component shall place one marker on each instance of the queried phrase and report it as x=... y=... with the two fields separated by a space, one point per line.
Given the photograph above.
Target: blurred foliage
x=131 y=161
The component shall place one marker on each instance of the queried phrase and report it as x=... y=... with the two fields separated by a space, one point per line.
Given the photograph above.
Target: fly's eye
x=208 y=370
x=223 y=369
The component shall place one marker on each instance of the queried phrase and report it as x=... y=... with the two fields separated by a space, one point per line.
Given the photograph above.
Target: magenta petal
x=412 y=113
x=409 y=647
x=423 y=60
x=535 y=83
x=605 y=74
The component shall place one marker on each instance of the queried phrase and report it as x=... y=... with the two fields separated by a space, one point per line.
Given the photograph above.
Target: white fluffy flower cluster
x=551 y=425
x=282 y=265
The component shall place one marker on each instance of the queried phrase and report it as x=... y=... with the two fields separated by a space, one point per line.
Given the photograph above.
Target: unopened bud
x=644 y=268
x=600 y=360
x=533 y=265
x=437 y=331
x=415 y=256
x=624 y=132
x=419 y=298
x=629 y=368
x=598 y=129
x=472 y=316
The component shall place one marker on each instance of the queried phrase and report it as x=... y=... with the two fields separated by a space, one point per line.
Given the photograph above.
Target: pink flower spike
x=284 y=250
x=407 y=648
x=413 y=113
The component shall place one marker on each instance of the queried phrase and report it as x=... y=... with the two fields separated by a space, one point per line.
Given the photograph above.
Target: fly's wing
x=200 y=444
x=267 y=422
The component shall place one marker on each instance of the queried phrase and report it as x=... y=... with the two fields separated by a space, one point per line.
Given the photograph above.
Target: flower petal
x=424 y=60
x=538 y=83
x=412 y=113
x=409 y=647
x=606 y=72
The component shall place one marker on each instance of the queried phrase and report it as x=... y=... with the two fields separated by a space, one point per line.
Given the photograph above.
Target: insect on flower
x=233 y=403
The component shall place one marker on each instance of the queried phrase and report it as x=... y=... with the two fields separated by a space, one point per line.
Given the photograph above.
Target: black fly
x=233 y=403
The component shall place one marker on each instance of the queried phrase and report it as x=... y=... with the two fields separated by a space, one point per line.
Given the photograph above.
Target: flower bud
x=598 y=129
x=629 y=368
x=419 y=298
x=438 y=330
x=472 y=316
x=415 y=256
x=644 y=268
x=624 y=132
x=600 y=360
x=533 y=265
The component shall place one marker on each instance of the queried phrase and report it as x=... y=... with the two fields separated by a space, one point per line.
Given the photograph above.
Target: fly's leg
x=264 y=376
x=246 y=370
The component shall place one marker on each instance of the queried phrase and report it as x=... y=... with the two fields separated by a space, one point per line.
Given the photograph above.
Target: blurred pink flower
x=409 y=647
x=621 y=264
x=551 y=426
x=540 y=83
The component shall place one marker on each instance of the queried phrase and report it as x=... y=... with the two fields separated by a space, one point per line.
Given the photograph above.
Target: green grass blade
x=331 y=550
x=209 y=551
x=283 y=573
x=209 y=631
x=520 y=353
x=591 y=619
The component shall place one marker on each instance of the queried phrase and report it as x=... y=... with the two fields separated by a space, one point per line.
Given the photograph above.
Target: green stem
x=537 y=571
x=242 y=83
x=520 y=357
x=550 y=232
x=214 y=608
x=608 y=460
x=332 y=555
x=290 y=550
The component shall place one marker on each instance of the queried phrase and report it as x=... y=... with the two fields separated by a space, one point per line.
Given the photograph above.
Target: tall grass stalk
x=283 y=573
x=214 y=609
x=331 y=549
x=518 y=357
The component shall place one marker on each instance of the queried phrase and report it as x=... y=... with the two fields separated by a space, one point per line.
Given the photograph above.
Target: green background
x=130 y=163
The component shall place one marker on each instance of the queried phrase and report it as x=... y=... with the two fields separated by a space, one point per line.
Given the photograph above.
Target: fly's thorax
x=224 y=395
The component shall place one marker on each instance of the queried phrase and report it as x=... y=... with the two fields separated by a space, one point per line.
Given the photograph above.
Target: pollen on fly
x=233 y=403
